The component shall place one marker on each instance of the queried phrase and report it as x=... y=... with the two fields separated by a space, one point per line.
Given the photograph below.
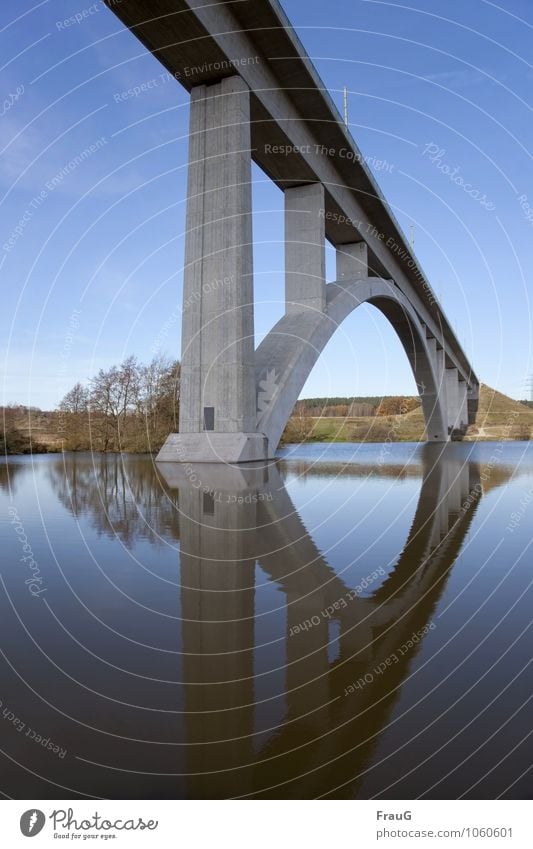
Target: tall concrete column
x=431 y=343
x=472 y=402
x=426 y=372
x=441 y=375
x=218 y=394
x=305 y=248
x=462 y=392
x=352 y=261
x=218 y=326
x=452 y=397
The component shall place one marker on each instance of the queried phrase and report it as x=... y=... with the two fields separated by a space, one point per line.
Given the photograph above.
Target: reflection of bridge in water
x=331 y=721
x=213 y=682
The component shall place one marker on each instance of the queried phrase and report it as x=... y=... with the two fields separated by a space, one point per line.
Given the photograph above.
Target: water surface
x=352 y=621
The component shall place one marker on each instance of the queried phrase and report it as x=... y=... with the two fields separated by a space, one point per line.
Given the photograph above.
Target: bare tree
x=76 y=401
x=160 y=382
x=131 y=407
x=73 y=419
x=114 y=396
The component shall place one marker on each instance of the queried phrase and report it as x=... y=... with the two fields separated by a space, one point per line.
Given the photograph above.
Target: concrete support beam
x=425 y=372
x=452 y=398
x=441 y=374
x=218 y=393
x=472 y=395
x=305 y=249
x=462 y=392
x=432 y=351
x=352 y=261
x=218 y=327
x=433 y=403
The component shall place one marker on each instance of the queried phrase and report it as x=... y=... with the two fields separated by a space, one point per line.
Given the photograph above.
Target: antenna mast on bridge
x=529 y=386
x=345 y=106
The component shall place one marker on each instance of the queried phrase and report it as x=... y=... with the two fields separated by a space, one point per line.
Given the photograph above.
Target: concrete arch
x=286 y=356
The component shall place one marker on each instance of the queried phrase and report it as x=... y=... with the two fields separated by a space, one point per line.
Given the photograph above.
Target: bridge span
x=255 y=96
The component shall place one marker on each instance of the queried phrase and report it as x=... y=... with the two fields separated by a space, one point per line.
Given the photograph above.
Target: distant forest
x=357 y=406
x=373 y=400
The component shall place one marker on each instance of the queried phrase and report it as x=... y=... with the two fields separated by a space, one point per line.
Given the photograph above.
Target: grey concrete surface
x=218 y=365
x=305 y=249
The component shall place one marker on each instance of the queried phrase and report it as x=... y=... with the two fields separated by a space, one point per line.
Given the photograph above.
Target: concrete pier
x=305 y=249
x=218 y=396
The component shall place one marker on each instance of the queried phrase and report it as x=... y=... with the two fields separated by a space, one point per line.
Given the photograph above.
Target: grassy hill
x=23 y=431
x=499 y=417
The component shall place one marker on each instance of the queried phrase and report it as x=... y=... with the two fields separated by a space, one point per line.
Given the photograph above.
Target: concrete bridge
x=255 y=95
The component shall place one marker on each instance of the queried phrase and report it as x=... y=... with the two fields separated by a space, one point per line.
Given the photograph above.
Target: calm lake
x=352 y=621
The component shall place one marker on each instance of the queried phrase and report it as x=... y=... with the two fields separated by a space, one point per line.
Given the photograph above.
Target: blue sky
x=91 y=254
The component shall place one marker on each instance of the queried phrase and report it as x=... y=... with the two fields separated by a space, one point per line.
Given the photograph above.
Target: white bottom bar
x=264 y=824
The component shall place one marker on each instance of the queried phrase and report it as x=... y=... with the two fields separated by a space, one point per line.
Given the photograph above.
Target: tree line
x=130 y=407
x=389 y=405
x=133 y=407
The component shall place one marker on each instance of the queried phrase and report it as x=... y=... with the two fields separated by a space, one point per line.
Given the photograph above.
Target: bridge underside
x=235 y=401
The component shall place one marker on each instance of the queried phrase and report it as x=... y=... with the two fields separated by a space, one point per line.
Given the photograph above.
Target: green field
x=499 y=417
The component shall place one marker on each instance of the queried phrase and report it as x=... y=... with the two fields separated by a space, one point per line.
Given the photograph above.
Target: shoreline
x=285 y=444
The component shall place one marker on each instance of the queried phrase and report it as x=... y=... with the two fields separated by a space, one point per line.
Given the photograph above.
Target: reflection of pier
x=238 y=517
